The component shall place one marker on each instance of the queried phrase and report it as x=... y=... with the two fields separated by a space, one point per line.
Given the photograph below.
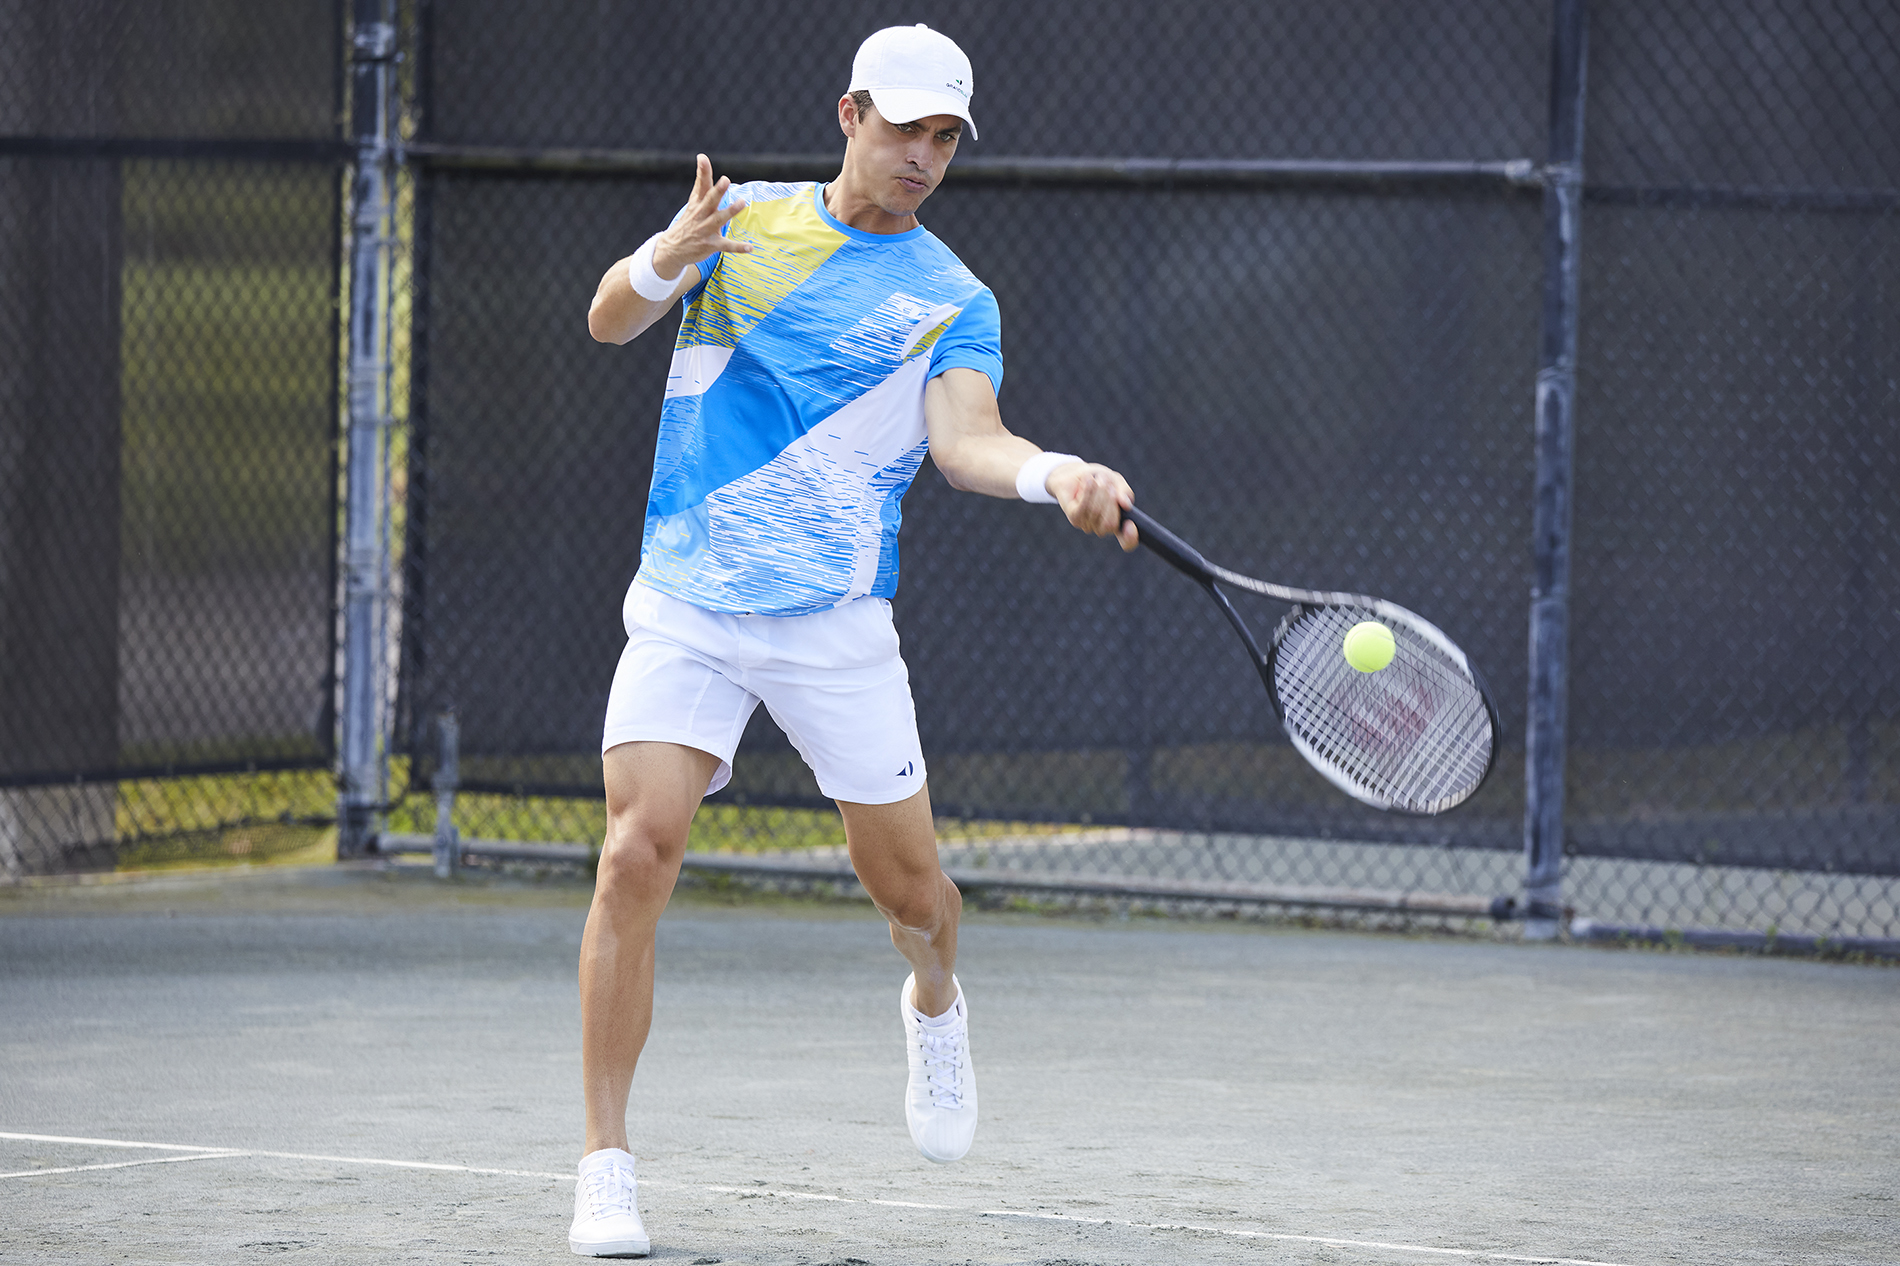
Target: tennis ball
x=1369 y=646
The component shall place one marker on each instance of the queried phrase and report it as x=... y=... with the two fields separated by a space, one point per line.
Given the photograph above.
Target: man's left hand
x=1093 y=496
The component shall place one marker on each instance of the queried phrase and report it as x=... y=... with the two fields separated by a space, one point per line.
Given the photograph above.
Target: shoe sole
x=622 y=1248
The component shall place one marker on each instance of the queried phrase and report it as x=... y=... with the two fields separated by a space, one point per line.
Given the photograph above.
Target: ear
x=847 y=115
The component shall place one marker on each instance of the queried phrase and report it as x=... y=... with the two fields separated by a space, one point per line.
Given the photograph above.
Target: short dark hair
x=862 y=100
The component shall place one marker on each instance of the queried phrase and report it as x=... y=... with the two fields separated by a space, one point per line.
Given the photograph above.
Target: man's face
x=898 y=165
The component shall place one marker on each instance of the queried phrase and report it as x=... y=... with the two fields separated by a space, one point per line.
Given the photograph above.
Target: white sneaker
x=606 y=1211
x=940 y=1101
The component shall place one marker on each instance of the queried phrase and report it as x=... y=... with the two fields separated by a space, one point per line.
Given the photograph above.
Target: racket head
x=1418 y=736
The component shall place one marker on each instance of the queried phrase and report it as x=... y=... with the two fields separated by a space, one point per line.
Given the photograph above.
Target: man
x=829 y=341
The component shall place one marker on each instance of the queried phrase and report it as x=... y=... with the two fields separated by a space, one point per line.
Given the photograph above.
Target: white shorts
x=833 y=681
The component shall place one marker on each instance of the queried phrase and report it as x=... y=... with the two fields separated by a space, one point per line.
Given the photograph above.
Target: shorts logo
x=909 y=768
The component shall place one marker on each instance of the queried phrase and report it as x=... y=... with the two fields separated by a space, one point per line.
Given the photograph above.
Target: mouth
x=913 y=185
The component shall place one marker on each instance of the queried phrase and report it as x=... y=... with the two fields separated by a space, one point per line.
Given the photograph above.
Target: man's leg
x=894 y=849
x=653 y=790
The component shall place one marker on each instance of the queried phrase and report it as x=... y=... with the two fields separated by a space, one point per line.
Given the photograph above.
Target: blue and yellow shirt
x=794 y=413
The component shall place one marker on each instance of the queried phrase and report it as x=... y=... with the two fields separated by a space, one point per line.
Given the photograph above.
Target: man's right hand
x=618 y=312
x=700 y=232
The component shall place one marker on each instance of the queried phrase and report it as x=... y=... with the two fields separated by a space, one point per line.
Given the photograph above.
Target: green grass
x=228 y=316
x=261 y=844
x=721 y=828
x=212 y=819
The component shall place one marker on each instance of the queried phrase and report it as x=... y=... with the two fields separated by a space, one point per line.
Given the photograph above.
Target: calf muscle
x=894 y=850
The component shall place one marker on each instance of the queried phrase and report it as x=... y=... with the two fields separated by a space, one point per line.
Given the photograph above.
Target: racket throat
x=1260 y=663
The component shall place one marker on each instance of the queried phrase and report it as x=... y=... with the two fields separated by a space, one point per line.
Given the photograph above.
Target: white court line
x=231 y=1152
x=228 y=1153
x=162 y=1147
x=156 y=1160
x=400 y=1164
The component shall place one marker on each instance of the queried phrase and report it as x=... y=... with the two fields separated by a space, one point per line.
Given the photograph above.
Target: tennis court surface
x=342 y=1065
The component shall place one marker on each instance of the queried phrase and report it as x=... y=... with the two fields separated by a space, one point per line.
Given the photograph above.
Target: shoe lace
x=608 y=1191
x=943 y=1065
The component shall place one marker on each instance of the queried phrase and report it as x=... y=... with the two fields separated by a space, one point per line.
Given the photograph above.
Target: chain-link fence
x=1285 y=269
x=170 y=209
x=1734 y=695
x=1318 y=374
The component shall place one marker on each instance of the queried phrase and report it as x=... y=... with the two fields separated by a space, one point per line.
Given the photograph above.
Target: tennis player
x=829 y=343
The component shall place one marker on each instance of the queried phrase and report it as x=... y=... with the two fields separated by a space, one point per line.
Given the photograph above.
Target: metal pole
x=448 y=840
x=373 y=118
x=1550 y=525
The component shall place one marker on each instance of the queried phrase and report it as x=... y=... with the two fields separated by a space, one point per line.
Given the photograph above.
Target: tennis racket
x=1417 y=736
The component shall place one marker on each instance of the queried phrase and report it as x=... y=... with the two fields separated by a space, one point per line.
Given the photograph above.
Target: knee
x=923 y=903
x=637 y=860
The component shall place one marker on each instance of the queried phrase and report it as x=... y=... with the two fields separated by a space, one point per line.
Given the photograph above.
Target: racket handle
x=1172 y=549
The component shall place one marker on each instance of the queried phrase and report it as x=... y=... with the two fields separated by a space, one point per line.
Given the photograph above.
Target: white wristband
x=1032 y=477
x=647 y=283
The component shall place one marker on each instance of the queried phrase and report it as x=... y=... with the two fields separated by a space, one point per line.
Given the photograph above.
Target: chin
x=906 y=203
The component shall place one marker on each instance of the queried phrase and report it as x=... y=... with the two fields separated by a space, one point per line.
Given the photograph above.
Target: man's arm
x=619 y=314
x=976 y=453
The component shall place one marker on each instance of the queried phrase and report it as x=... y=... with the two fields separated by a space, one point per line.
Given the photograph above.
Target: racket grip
x=1176 y=552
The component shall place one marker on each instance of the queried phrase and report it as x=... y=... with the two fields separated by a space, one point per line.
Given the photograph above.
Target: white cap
x=912 y=72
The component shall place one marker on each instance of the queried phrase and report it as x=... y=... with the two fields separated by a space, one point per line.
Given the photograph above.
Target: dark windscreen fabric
x=167 y=407
x=1323 y=387
x=1734 y=683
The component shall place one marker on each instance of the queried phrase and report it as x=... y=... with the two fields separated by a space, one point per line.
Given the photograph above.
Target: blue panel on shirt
x=973 y=341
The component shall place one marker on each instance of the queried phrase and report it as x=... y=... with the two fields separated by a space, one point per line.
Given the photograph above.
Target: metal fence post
x=373 y=120
x=1550 y=524
x=448 y=840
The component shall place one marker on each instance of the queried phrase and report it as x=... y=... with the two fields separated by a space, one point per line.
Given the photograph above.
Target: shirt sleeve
x=973 y=341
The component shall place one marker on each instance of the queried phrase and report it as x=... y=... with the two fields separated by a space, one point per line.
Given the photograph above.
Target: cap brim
x=905 y=105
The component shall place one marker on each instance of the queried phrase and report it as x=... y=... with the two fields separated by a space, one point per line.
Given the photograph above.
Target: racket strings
x=1415 y=735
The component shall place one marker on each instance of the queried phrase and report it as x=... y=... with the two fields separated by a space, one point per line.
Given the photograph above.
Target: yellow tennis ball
x=1369 y=646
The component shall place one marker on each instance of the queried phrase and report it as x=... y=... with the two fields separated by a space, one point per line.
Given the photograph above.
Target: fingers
x=1112 y=495
x=1096 y=501
x=727 y=216
x=703 y=230
x=720 y=242
x=707 y=192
